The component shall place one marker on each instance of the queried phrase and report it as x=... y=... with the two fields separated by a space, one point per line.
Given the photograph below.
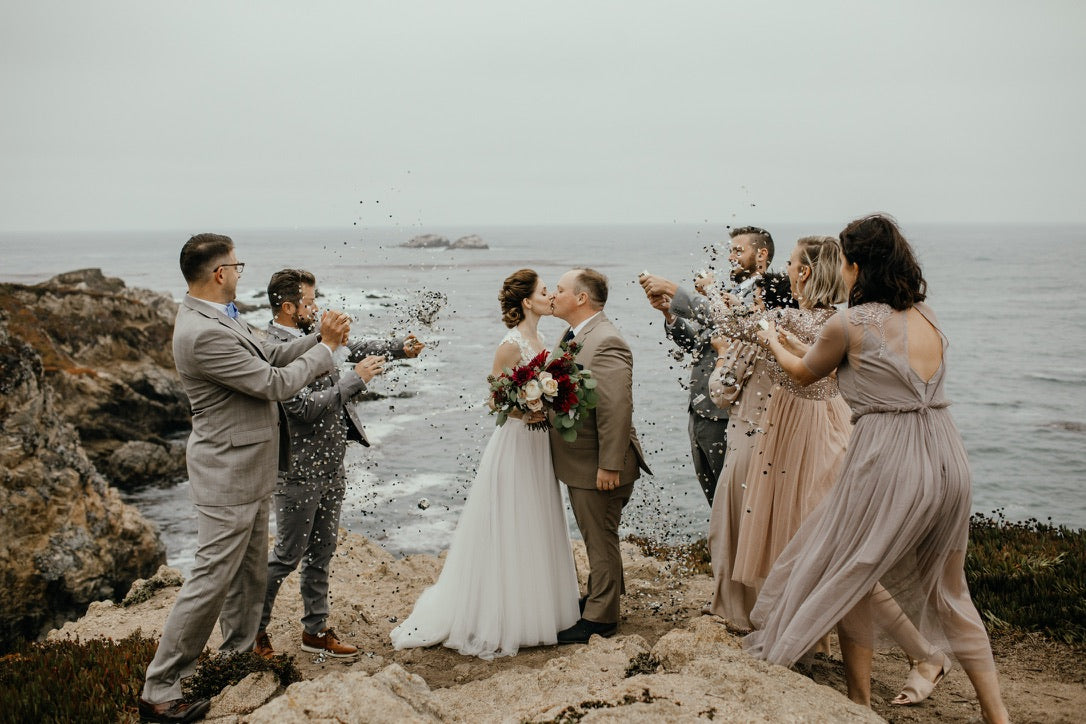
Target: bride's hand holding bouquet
x=555 y=393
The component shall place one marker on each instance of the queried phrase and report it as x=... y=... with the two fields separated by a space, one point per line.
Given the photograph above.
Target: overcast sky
x=155 y=115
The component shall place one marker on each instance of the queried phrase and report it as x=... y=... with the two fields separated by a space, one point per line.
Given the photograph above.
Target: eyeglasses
x=240 y=266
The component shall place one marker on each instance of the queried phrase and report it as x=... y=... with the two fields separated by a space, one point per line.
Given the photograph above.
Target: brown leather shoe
x=177 y=710
x=326 y=643
x=263 y=647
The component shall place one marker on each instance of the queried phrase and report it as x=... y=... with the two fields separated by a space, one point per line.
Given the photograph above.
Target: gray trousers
x=598 y=513
x=226 y=582
x=708 y=443
x=307 y=525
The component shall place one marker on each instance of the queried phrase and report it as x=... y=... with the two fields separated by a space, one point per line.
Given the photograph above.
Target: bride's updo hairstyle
x=888 y=270
x=822 y=255
x=517 y=287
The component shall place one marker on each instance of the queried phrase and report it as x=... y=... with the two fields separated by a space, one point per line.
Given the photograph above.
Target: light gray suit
x=708 y=427
x=309 y=496
x=233 y=381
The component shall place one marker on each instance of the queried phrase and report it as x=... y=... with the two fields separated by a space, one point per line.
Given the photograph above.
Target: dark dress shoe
x=177 y=710
x=583 y=630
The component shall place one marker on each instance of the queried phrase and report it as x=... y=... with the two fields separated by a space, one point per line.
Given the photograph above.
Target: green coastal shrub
x=91 y=681
x=100 y=680
x=1028 y=576
x=215 y=672
x=1024 y=577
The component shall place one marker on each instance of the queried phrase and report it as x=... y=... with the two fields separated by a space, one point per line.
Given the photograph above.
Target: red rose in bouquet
x=559 y=386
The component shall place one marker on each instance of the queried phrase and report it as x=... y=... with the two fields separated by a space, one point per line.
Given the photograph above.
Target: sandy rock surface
x=669 y=663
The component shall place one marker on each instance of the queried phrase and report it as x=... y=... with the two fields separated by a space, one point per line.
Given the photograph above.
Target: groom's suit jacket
x=234 y=382
x=606 y=438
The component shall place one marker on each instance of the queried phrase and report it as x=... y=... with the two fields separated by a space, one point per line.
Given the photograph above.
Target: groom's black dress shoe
x=580 y=632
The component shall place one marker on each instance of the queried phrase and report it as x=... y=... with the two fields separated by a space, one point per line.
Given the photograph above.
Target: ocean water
x=1008 y=298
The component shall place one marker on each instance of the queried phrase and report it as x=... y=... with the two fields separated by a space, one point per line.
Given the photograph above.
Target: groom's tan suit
x=606 y=439
x=233 y=381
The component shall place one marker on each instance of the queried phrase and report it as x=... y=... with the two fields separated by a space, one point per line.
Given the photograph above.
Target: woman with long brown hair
x=897 y=521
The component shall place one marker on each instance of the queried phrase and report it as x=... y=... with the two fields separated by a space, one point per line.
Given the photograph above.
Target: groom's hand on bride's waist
x=606 y=479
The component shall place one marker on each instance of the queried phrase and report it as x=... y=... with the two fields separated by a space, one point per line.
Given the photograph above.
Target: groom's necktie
x=232 y=310
x=569 y=336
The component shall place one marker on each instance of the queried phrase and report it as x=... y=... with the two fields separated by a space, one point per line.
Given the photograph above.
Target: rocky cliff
x=66 y=538
x=105 y=352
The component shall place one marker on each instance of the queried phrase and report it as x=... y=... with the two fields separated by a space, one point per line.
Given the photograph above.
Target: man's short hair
x=201 y=254
x=762 y=239
x=594 y=284
x=286 y=286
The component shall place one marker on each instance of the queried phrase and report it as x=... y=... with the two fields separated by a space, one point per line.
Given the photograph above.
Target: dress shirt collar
x=582 y=325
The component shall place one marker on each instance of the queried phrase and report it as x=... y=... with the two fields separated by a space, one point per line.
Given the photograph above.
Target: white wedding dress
x=509 y=579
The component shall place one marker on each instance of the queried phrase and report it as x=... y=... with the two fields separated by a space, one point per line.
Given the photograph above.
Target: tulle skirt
x=509 y=579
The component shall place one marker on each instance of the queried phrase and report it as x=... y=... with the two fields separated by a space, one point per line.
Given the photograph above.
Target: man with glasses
x=309 y=496
x=234 y=382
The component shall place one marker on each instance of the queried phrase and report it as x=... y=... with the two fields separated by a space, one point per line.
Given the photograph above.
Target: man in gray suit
x=309 y=496
x=689 y=324
x=233 y=382
x=599 y=467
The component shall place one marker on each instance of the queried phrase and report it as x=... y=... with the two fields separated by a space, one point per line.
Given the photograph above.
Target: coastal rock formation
x=105 y=351
x=426 y=241
x=66 y=538
x=668 y=663
x=472 y=241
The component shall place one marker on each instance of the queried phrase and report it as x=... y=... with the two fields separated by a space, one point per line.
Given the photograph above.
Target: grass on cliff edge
x=1027 y=577
x=100 y=680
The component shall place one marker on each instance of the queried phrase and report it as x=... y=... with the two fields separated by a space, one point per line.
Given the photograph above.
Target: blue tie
x=569 y=336
x=232 y=310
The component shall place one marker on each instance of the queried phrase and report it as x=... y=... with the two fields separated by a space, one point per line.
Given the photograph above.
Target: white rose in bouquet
x=531 y=391
x=549 y=384
x=535 y=405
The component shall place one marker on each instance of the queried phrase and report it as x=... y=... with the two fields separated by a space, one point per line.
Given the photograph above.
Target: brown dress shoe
x=176 y=710
x=326 y=643
x=263 y=647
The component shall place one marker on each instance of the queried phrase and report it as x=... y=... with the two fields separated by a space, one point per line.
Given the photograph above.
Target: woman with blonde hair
x=794 y=440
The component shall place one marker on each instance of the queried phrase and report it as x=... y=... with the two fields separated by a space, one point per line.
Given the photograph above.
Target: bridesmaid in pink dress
x=897 y=521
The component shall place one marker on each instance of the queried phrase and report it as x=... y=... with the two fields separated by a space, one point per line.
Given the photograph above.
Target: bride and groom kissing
x=509 y=579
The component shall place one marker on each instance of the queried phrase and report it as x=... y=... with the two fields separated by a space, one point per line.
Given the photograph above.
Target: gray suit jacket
x=606 y=438
x=233 y=382
x=692 y=331
x=321 y=420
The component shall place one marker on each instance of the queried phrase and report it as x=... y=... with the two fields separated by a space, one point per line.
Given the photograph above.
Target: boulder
x=391 y=695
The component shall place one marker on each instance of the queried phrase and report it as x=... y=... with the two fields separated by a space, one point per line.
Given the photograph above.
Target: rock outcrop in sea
x=471 y=241
x=436 y=241
x=73 y=350
x=426 y=241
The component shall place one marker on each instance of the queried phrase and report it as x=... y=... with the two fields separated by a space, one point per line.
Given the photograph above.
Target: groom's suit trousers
x=598 y=513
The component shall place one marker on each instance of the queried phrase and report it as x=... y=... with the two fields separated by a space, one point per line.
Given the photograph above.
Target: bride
x=508 y=579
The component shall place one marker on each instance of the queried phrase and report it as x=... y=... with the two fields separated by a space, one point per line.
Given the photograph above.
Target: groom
x=600 y=466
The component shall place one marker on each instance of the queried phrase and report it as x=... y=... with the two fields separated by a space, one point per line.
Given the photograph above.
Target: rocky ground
x=702 y=673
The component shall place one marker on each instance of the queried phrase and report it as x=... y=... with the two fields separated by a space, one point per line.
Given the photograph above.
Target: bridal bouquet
x=559 y=386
